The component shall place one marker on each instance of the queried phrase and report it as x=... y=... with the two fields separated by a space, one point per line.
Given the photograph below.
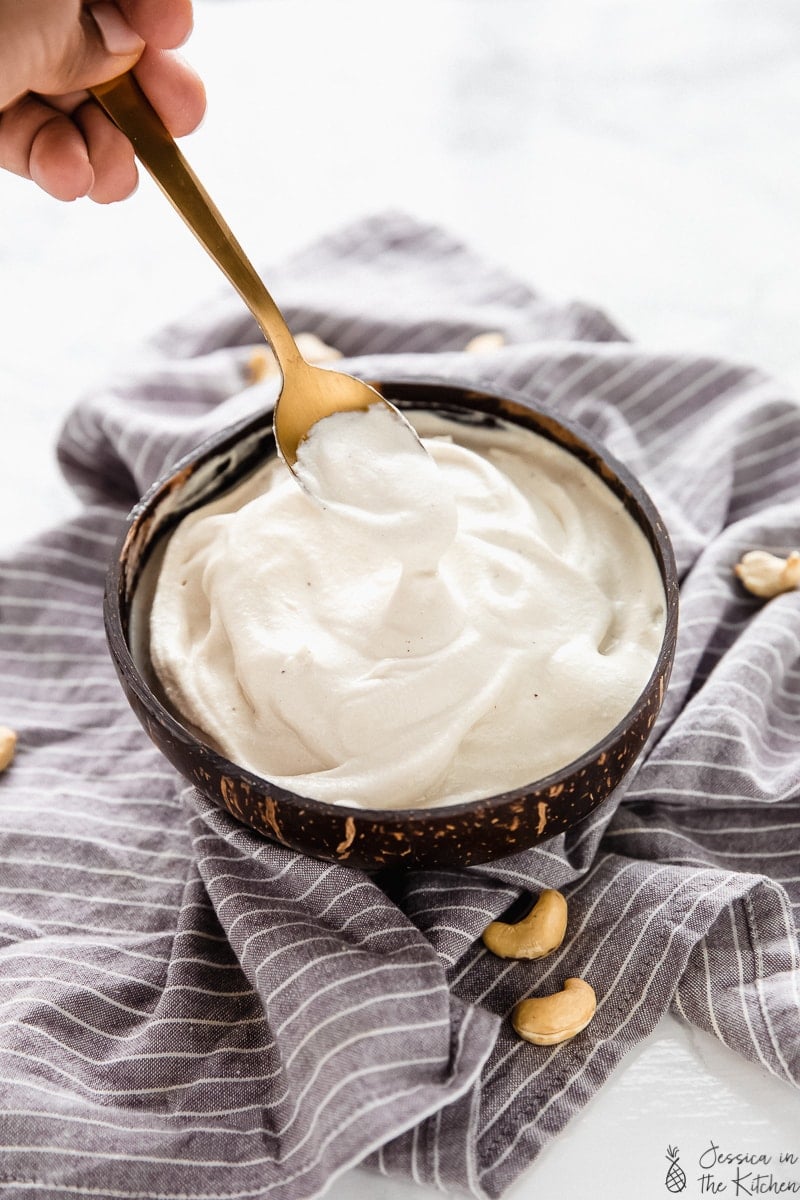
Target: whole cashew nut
x=484 y=343
x=766 y=574
x=8 y=742
x=538 y=934
x=547 y=1020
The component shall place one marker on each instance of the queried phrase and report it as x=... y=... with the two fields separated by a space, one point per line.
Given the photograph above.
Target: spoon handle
x=131 y=111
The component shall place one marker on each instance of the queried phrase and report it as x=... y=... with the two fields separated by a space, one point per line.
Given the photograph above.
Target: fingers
x=64 y=142
x=110 y=154
x=177 y=94
x=164 y=24
x=69 y=157
x=59 y=161
x=173 y=88
x=42 y=144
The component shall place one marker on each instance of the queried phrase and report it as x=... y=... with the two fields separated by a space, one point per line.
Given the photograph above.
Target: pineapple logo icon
x=676 y=1177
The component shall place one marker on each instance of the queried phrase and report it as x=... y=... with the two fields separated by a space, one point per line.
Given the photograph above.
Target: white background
x=638 y=155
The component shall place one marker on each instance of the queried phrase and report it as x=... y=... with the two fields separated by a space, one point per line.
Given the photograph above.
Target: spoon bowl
x=308 y=393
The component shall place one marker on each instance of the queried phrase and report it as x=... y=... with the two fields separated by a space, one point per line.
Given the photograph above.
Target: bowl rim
x=126 y=665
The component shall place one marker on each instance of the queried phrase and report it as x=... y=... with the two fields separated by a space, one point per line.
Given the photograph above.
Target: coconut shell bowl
x=454 y=835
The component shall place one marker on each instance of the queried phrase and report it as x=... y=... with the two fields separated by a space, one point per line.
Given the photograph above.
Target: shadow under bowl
x=448 y=836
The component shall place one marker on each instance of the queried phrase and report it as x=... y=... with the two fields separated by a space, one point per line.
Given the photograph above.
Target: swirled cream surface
x=442 y=628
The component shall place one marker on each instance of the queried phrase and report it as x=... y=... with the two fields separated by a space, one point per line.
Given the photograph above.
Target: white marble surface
x=638 y=155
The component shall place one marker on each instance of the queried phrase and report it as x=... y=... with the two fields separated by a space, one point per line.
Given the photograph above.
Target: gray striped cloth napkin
x=190 y=1011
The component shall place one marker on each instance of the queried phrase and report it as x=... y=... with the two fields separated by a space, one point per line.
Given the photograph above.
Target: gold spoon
x=308 y=393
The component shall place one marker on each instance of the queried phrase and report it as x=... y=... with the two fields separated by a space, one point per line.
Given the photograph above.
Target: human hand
x=51 y=51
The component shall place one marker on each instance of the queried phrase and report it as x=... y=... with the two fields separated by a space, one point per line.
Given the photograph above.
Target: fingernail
x=115 y=31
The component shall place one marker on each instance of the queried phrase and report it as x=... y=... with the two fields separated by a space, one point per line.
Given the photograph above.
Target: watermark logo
x=732 y=1173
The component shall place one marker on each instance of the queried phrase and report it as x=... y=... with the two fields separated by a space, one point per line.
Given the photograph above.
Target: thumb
x=59 y=46
x=105 y=46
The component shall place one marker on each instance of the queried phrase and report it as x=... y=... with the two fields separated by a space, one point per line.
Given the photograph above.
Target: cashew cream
x=441 y=628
